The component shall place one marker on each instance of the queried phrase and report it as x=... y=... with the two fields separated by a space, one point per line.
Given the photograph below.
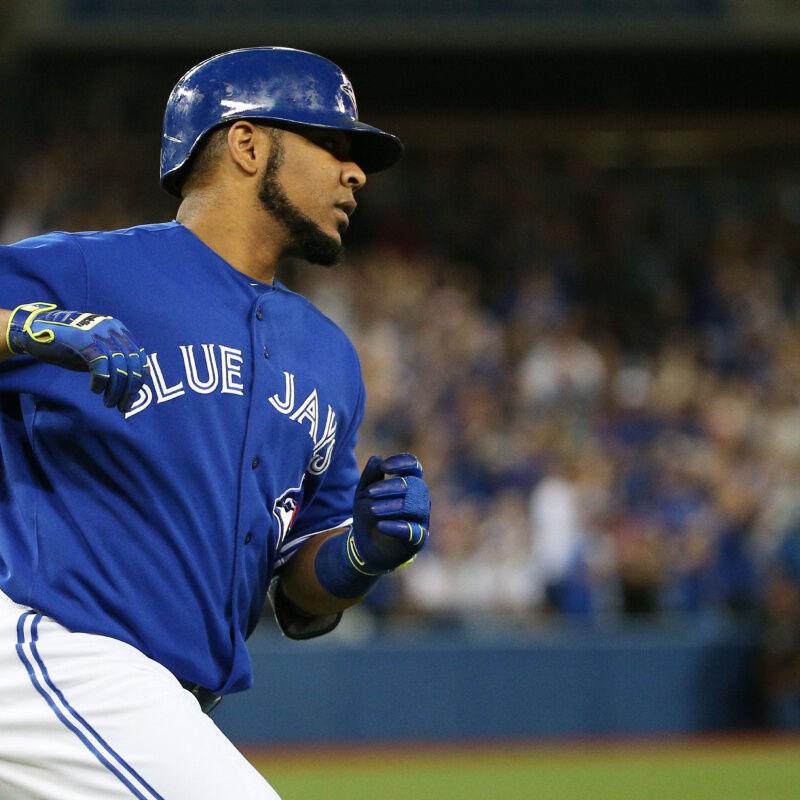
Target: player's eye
x=329 y=144
x=332 y=145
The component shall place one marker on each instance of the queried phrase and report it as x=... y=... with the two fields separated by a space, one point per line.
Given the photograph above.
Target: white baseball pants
x=86 y=717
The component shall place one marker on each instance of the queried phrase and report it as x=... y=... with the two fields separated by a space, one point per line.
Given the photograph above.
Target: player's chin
x=330 y=257
x=330 y=239
x=333 y=231
x=324 y=249
x=336 y=236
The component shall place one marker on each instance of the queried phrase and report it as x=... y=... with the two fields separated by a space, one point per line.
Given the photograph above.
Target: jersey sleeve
x=328 y=500
x=48 y=269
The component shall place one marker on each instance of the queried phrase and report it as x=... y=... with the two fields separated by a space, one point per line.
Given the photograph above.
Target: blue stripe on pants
x=104 y=753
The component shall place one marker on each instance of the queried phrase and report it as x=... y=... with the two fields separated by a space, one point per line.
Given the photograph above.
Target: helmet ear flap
x=274 y=84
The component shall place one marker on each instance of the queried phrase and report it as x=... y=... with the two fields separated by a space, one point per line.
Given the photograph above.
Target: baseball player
x=140 y=531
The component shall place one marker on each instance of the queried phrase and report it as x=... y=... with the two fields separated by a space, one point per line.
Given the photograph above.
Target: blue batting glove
x=391 y=513
x=83 y=342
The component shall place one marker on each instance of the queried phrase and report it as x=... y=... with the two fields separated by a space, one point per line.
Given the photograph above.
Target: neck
x=250 y=242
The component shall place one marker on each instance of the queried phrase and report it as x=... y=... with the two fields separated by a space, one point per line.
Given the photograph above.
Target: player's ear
x=246 y=146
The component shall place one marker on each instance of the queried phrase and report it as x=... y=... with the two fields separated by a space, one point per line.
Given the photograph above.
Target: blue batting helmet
x=276 y=84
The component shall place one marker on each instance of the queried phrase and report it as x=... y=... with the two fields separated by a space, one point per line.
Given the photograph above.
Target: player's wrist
x=342 y=570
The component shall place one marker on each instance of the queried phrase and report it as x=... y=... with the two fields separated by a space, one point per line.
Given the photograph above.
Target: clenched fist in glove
x=391 y=515
x=84 y=342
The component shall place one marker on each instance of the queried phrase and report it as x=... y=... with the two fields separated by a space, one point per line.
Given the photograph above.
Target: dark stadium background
x=577 y=299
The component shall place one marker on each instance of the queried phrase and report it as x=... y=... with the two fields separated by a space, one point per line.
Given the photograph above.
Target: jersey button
x=259 y=314
x=266 y=352
x=248 y=537
x=255 y=462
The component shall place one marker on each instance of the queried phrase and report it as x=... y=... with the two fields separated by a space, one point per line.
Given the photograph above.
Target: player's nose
x=353 y=177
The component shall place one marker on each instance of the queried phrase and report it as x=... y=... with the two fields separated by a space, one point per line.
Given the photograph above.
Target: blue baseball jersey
x=163 y=528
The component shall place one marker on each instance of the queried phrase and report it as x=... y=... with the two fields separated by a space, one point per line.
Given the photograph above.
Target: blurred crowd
x=599 y=369
x=601 y=373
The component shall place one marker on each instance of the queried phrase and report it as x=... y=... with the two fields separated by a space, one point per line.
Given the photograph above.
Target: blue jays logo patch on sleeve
x=285 y=510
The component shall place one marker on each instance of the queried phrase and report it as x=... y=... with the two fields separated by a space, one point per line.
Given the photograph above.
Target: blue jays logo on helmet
x=285 y=510
x=275 y=84
x=347 y=89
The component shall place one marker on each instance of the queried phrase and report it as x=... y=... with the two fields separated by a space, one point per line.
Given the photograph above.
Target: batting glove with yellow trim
x=83 y=342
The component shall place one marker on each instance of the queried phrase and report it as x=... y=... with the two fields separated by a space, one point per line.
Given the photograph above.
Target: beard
x=306 y=239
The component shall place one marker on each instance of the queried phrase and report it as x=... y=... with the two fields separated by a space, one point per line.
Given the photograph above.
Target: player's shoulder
x=321 y=335
x=122 y=236
x=316 y=322
x=78 y=240
x=133 y=230
x=47 y=251
x=53 y=239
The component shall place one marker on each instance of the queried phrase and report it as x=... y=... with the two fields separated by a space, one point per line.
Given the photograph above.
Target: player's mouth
x=348 y=206
x=343 y=211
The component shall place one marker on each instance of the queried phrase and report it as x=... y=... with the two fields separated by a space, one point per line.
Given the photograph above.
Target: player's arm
x=391 y=514
x=300 y=584
x=80 y=341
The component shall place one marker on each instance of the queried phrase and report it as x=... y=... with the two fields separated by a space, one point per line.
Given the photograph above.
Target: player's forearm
x=391 y=514
x=5 y=353
x=300 y=583
x=77 y=340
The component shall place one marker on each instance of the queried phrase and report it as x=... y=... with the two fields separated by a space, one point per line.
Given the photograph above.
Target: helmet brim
x=374 y=150
x=371 y=148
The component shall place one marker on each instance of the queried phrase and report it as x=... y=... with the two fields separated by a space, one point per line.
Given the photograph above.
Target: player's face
x=309 y=185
